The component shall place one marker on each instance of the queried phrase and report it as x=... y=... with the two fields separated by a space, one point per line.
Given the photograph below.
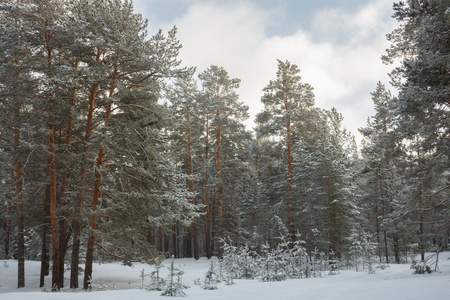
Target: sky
x=336 y=44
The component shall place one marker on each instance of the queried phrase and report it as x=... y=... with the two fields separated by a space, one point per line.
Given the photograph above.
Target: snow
x=395 y=282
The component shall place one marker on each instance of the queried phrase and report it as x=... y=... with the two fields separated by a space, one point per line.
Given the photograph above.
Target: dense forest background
x=110 y=149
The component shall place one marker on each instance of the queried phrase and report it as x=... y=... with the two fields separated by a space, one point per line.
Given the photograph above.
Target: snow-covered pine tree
x=91 y=131
x=186 y=131
x=223 y=115
x=379 y=149
x=211 y=278
x=230 y=261
x=174 y=286
x=422 y=78
x=156 y=282
x=247 y=266
x=285 y=101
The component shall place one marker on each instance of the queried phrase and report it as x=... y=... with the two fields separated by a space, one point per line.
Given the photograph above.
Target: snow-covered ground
x=395 y=282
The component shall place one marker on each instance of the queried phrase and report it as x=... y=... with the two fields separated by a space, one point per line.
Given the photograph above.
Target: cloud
x=339 y=56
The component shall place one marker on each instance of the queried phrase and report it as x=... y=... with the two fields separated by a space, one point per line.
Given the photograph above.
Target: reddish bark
x=96 y=190
x=79 y=204
x=53 y=200
x=290 y=196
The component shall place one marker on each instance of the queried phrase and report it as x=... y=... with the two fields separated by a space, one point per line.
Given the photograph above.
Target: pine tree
x=221 y=109
x=210 y=281
x=421 y=44
x=380 y=150
x=285 y=101
x=186 y=133
x=86 y=93
x=174 y=286
x=339 y=156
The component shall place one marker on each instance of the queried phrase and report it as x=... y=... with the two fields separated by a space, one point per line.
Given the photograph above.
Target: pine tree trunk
x=20 y=251
x=19 y=186
x=332 y=247
x=53 y=200
x=45 y=259
x=89 y=261
x=53 y=204
x=52 y=166
x=290 y=195
x=193 y=231
x=166 y=243
x=160 y=240
x=208 y=225
x=255 y=221
x=8 y=229
x=180 y=239
x=74 y=265
x=213 y=224
x=187 y=241
x=396 y=244
x=174 y=241
x=19 y=204
x=421 y=219
x=97 y=183
x=206 y=202
x=386 y=252
x=91 y=242
x=195 y=246
x=219 y=188
x=79 y=204
x=377 y=224
x=64 y=237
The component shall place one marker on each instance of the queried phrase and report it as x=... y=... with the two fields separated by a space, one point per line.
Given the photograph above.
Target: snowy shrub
x=297 y=259
x=315 y=264
x=156 y=282
x=289 y=259
x=211 y=279
x=362 y=249
x=246 y=263
x=382 y=266
x=99 y=286
x=142 y=275
x=230 y=261
x=273 y=263
x=174 y=287
x=197 y=281
x=420 y=268
x=127 y=263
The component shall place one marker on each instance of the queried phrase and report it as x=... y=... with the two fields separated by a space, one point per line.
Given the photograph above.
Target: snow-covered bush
x=174 y=287
x=420 y=268
x=156 y=282
x=288 y=259
x=274 y=264
x=211 y=279
x=230 y=261
x=246 y=263
x=362 y=249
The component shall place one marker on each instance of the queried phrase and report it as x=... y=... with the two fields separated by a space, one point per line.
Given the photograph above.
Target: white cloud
x=340 y=57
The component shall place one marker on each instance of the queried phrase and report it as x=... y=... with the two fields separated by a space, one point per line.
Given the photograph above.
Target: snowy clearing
x=395 y=282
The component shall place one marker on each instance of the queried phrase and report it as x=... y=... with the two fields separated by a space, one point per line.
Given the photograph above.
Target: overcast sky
x=337 y=44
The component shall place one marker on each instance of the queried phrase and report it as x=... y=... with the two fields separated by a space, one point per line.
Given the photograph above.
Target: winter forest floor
x=396 y=282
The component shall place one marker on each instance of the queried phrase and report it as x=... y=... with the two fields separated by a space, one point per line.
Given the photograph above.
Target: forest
x=111 y=149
